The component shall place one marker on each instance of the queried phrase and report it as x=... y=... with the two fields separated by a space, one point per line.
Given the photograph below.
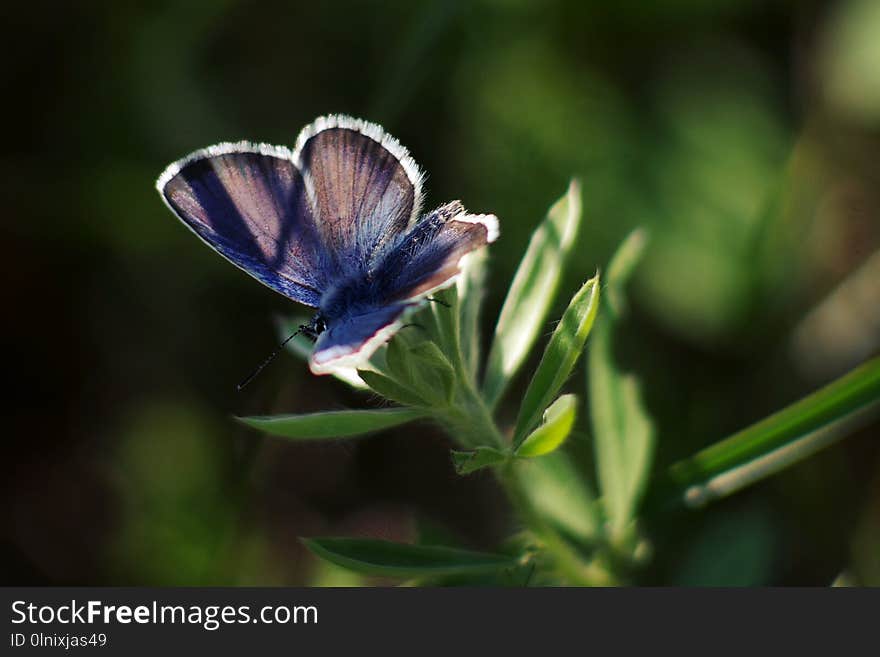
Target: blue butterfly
x=335 y=224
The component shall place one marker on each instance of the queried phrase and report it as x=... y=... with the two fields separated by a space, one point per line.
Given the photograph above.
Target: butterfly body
x=334 y=224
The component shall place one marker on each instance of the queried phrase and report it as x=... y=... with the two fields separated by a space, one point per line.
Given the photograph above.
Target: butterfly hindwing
x=424 y=259
x=248 y=202
x=350 y=340
x=364 y=188
x=428 y=256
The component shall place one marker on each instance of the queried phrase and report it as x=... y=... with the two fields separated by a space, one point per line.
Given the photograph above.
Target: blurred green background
x=744 y=135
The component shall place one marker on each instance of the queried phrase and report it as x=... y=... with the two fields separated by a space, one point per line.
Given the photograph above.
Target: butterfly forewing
x=249 y=203
x=364 y=188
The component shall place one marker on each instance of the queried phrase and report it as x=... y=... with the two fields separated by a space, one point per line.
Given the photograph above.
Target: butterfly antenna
x=271 y=357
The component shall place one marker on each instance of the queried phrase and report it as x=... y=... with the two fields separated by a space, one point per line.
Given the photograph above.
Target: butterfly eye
x=320 y=325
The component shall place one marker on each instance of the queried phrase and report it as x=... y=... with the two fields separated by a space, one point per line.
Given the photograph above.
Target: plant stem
x=471 y=424
x=481 y=429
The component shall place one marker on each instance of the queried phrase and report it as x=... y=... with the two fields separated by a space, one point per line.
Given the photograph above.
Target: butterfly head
x=316 y=326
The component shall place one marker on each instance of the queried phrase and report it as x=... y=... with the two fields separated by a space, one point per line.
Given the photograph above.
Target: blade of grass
x=740 y=477
x=848 y=395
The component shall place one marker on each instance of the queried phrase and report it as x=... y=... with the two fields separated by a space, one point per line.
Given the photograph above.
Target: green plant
x=576 y=529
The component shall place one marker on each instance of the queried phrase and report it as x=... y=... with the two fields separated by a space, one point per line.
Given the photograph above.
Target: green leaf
x=622 y=265
x=622 y=430
x=329 y=575
x=471 y=286
x=395 y=357
x=784 y=438
x=332 y=424
x=559 y=492
x=558 y=422
x=623 y=433
x=559 y=357
x=390 y=389
x=423 y=368
x=532 y=293
x=433 y=370
x=481 y=457
x=386 y=558
x=444 y=314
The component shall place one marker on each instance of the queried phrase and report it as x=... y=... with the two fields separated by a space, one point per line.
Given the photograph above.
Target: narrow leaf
x=386 y=558
x=444 y=313
x=558 y=422
x=559 y=357
x=433 y=369
x=623 y=433
x=391 y=389
x=332 y=424
x=471 y=287
x=395 y=357
x=421 y=367
x=532 y=293
x=621 y=268
x=481 y=457
x=558 y=491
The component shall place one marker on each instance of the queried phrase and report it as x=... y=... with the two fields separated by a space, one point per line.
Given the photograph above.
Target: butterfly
x=335 y=225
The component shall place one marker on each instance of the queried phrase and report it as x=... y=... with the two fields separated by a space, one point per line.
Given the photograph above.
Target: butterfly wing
x=248 y=202
x=428 y=257
x=364 y=188
x=425 y=259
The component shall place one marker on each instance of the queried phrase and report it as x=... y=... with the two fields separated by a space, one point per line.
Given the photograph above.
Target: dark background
x=744 y=135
